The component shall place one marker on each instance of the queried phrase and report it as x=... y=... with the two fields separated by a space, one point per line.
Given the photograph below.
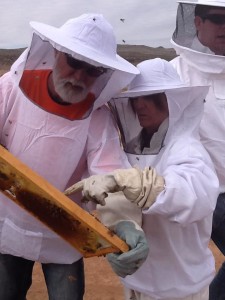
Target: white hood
x=185 y=104
x=210 y=64
x=184 y=40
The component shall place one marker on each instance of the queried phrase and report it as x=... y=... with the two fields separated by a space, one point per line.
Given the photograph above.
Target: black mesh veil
x=185 y=31
x=133 y=136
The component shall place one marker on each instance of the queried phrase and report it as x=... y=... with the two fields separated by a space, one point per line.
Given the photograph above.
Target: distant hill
x=133 y=53
x=138 y=53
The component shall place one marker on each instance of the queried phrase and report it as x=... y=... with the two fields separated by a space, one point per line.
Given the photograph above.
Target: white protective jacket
x=60 y=150
x=198 y=65
x=207 y=69
x=178 y=225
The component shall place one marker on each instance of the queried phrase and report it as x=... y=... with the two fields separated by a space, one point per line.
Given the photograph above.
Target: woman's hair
x=158 y=101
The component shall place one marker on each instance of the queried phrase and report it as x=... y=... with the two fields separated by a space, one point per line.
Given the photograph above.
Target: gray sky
x=146 y=22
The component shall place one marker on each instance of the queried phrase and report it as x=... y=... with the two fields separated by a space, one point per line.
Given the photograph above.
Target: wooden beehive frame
x=50 y=206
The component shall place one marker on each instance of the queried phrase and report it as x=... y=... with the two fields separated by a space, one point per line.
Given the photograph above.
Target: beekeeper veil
x=188 y=13
x=158 y=81
x=86 y=42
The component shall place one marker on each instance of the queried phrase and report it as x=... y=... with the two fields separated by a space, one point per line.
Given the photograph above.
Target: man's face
x=211 y=33
x=73 y=79
x=151 y=110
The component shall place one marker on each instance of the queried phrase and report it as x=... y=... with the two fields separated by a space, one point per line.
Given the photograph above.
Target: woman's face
x=151 y=110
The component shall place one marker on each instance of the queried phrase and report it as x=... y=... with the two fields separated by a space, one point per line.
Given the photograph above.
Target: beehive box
x=50 y=206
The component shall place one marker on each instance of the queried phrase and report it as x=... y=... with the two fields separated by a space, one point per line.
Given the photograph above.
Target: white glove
x=97 y=187
x=140 y=187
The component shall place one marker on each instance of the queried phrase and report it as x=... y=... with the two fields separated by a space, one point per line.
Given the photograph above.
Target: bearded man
x=53 y=118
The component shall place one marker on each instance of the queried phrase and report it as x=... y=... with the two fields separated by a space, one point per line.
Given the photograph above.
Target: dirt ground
x=101 y=282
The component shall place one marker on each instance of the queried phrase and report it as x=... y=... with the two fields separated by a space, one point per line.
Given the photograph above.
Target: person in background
x=53 y=119
x=173 y=181
x=199 y=41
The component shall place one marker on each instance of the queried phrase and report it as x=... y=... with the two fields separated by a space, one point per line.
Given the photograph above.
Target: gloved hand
x=97 y=187
x=140 y=187
x=129 y=262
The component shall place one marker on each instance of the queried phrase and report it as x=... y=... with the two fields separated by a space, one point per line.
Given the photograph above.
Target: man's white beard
x=69 y=89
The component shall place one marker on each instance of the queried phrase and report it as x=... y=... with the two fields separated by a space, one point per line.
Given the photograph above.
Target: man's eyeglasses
x=217 y=19
x=89 y=69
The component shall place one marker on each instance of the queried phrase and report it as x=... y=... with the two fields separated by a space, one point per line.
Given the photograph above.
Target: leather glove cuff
x=140 y=187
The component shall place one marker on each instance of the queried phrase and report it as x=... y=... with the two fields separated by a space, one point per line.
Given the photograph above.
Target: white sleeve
x=104 y=151
x=191 y=186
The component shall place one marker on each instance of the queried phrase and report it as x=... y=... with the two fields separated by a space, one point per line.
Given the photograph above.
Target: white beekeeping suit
x=57 y=145
x=199 y=40
x=177 y=224
x=197 y=64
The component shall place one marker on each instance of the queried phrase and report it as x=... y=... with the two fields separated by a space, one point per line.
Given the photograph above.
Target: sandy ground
x=101 y=282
